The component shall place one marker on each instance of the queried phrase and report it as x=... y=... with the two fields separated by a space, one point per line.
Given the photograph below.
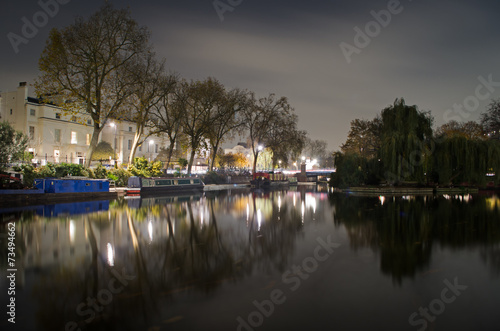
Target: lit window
x=57 y=135
x=32 y=132
x=88 y=139
x=73 y=137
x=32 y=112
x=57 y=153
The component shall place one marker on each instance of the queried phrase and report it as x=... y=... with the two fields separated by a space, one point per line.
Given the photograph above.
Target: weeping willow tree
x=405 y=142
x=458 y=160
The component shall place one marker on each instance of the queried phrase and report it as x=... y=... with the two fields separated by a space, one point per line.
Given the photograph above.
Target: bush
x=142 y=168
x=100 y=172
x=120 y=176
x=214 y=178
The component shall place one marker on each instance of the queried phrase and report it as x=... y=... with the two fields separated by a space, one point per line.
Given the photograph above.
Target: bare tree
x=149 y=85
x=226 y=119
x=83 y=66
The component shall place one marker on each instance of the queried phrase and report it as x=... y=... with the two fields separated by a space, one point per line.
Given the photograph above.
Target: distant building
x=240 y=148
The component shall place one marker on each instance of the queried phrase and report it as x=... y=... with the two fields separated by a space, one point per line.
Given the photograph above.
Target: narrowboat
x=152 y=185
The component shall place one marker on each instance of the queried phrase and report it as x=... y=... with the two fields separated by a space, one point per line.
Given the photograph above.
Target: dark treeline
x=399 y=147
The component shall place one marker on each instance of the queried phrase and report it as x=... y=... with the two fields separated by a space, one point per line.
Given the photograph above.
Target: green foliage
x=183 y=162
x=30 y=173
x=406 y=133
x=458 y=160
x=352 y=170
x=13 y=144
x=212 y=177
x=142 y=168
x=100 y=172
x=120 y=176
x=103 y=151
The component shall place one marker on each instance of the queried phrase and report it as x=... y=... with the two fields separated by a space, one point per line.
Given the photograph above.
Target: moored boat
x=151 y=185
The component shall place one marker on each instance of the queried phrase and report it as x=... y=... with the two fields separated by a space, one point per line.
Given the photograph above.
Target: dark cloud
x=431 y=53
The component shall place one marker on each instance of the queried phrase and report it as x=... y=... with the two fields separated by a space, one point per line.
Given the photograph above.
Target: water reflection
x=171 y=251
x=406 y=229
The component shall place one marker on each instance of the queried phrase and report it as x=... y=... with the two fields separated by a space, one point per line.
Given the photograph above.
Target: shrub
x=100 y=172
x=214 y=178
x=120 y=176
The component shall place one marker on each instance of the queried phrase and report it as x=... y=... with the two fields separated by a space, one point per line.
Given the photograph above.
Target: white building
x=58 y=137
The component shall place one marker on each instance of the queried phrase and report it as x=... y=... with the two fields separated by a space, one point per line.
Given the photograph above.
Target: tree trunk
x=135 y=143
x=191 y=159
x=93 y=144
x=255 y=162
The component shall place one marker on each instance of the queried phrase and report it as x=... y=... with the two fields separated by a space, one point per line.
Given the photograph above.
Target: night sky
x=431 y=53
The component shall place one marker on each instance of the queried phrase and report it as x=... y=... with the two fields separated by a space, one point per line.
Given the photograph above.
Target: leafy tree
x=183 y=162
x=491 y=119
x=469 y=130
x=103 y=151
x=406 y=134
x=13 y=144
x=316 y=149
x=85 y=66
x=363 y=138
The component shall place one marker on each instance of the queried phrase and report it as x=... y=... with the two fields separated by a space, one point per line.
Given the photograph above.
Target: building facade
x=56 y=136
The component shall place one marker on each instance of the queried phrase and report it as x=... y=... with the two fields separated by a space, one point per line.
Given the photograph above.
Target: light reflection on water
x=199 y=262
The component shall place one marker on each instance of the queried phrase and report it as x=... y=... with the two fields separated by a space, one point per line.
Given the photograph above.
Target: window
x=57 y=135
x=129 y=144
x=89 y=122
x=140 y=148
x=32 y=132
x=58 y=116
x=73 y=137
x=87 y=140
x=32 y=112
x=129 y=129
x=73 y=118
x=57 y=153
x=11 y=111
x=156 y=148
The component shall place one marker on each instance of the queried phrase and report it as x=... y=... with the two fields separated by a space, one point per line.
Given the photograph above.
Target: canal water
x=296 y=259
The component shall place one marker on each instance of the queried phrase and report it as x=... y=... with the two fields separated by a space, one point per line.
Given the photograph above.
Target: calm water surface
x=242 y=260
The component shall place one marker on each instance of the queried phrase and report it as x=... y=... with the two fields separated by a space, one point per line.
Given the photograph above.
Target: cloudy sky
x=335 y=60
